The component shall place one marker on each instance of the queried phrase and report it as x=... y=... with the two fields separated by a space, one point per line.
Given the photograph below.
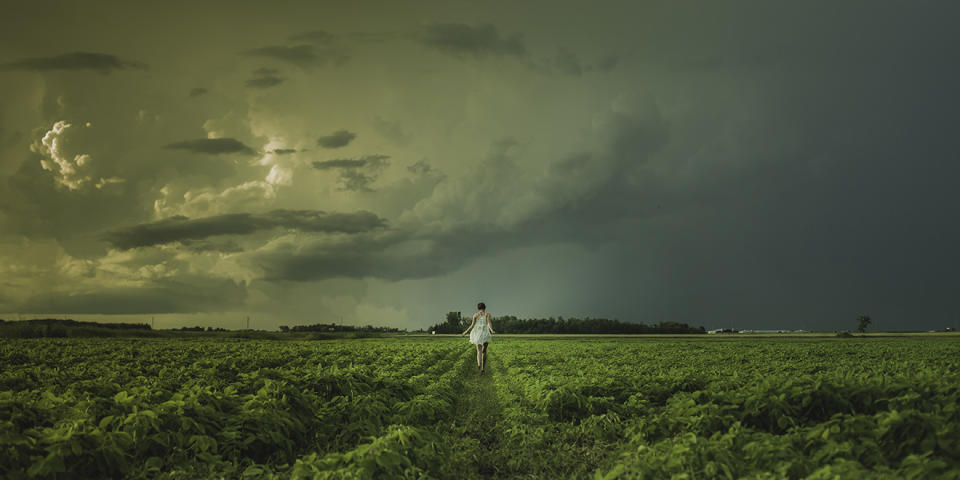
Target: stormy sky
x=746 y=164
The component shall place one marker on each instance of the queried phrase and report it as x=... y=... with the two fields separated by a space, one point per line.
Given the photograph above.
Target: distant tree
x=284 y=328
x=863 y=321
x=454 y=322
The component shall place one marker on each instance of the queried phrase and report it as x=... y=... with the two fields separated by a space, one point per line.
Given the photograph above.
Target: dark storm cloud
x=283 y=151
x=372 y=37
x=364 y=161
x=303 y=56
x=200 y=246
x=323 y=37
x=212 y=146
x=185 y=293
x=196 y=92
x=391 y=130
x=809 y=182
x=180 y=228
x=340 y=138
x=628 y=141
x=298 y=55
x=394 y=256
x=99 y=62
x=265 y=77
x=339 y=163
x=314 y=36
x=421 y=167
x=460 y=39
x=264 y=82
x=351 y=178
x=567 y=62
x=608 y=63
x=356 y=181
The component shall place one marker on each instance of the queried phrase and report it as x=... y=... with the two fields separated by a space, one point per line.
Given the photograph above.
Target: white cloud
x=249 y=196
x=65 y=167
x=280 y=175
x=107 y=181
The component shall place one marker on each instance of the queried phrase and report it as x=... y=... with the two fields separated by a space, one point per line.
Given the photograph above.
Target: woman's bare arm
x=472 y=322
x=489 y=324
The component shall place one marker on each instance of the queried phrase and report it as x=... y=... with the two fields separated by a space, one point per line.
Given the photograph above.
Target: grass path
x=479 y=421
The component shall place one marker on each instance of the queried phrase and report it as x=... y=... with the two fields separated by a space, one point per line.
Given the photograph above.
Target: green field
x=415 y=407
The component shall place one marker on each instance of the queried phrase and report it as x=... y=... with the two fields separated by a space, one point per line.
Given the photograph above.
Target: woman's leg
x=483 y=364
x=479 y=355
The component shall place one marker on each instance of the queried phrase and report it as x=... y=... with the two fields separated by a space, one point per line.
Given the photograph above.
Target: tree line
x=333 y=327
x=78 y=323
x=457 y=323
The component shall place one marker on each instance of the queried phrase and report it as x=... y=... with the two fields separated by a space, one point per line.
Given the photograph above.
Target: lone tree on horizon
x=864 y=322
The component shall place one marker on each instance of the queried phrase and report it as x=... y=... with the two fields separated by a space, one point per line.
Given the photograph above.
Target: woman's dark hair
x=482 y=306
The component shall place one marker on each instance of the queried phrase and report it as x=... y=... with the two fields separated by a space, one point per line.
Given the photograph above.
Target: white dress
x=481 y=331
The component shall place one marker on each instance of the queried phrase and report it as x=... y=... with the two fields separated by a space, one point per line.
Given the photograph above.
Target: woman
x=480 y=336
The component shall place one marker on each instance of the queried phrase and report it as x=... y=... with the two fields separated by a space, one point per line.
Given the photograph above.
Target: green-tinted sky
x=746 y=164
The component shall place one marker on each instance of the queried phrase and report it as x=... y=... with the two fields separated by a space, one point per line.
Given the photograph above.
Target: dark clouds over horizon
x=748 y=165
x=99 y=62
x=180 y=228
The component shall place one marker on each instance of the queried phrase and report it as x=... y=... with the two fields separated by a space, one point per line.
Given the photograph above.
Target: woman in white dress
x=480 y=334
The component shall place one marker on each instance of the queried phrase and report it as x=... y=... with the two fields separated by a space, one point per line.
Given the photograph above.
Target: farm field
x=415 y=407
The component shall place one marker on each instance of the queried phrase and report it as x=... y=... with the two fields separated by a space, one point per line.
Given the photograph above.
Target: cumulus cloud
x=461 y=40
x=254 y=194
x=303 y=56
x=340 y=138
x=109 y=181
x=180 y=228
x=356 y=174
x=67 y=168
x=212 y=146
x=98 y=62
x=122 y=282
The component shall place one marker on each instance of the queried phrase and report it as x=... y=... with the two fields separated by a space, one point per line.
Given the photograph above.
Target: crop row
x=727 y=410
x=139 y=409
